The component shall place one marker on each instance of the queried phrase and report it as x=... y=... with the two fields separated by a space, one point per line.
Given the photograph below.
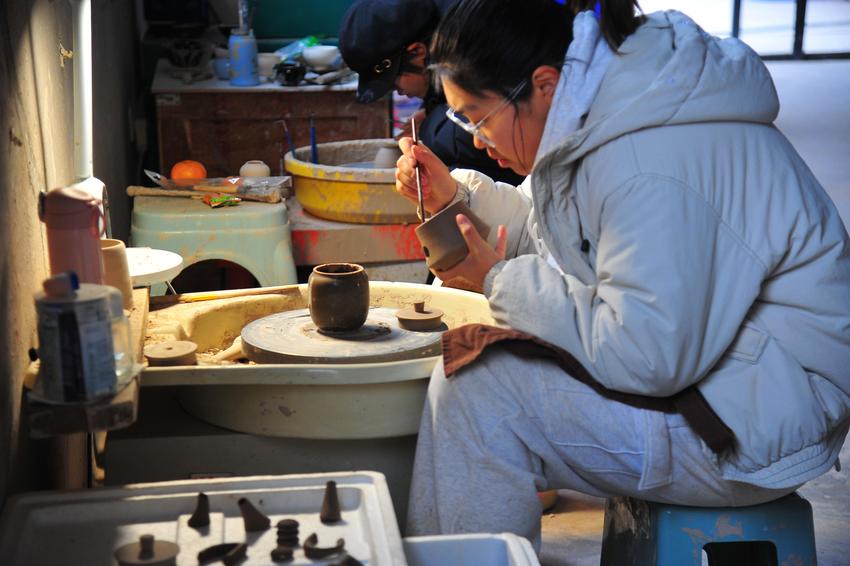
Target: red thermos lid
x=69 y=209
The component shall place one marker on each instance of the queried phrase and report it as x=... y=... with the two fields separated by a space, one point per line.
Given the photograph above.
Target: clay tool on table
x=261 y=189
x=421 y=210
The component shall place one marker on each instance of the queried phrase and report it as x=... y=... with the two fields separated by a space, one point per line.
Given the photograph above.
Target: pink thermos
x=73 y=224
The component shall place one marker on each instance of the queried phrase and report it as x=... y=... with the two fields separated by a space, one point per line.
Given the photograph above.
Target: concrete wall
x=36 y=153
x=117 y=105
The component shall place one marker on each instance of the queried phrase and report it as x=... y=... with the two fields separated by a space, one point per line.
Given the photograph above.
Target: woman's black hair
x=618 y=19
x=493 y=45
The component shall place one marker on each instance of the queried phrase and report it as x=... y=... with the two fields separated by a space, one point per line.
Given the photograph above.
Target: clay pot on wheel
x=338 y=296
x=441 y=240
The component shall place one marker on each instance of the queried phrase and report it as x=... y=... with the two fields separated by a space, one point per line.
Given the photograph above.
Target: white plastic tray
x=86 y=526
x=504 y=549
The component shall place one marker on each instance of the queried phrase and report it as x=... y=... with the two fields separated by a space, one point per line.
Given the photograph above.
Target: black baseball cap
x=373 y=37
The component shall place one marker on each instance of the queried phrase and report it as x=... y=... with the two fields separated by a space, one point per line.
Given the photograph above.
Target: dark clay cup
x=338 y=296
x=290 y=73
x=441 y=240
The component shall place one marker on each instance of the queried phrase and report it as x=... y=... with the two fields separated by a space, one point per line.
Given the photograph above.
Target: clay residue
x=334 y=156
x=724 y=528
x=213 y=325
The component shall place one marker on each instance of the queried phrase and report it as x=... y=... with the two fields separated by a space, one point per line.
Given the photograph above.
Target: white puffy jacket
x=713 y=256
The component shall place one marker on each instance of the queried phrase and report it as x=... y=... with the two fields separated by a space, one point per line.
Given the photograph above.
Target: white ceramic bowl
x=266 y=63
x=322 y=57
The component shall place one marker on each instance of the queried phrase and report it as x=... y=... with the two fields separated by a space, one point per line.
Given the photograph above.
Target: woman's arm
x=494 y=202
x=672 y=287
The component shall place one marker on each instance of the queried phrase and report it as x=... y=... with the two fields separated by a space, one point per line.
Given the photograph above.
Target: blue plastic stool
x=655 y=534
x=253 y=235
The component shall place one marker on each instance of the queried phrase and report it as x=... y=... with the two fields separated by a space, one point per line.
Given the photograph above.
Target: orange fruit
x=188 y=170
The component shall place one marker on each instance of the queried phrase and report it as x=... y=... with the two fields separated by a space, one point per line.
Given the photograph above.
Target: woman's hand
x=481 y=257
x=438 y=186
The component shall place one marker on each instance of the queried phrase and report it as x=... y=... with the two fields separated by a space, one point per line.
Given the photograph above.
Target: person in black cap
x=386 y=43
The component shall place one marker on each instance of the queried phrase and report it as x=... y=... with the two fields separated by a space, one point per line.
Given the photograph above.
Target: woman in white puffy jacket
x=679 y=276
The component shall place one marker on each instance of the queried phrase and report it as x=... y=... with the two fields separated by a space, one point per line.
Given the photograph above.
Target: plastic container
x=73 y=224
x=504 y=549
x=243 y=59
x=86 y=526
x=84 y=341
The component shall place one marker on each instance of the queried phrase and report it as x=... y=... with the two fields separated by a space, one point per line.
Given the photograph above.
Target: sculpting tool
x=421 y=211
x=314 y=151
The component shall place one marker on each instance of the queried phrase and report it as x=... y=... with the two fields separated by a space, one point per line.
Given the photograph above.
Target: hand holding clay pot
x=338 y=296
x=442 y=242
x=459 y=249
x=438 y=186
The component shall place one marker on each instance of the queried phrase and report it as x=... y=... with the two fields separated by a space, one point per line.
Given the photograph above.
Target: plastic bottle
x=242 y=47
x=73 y=220
x=84 y=343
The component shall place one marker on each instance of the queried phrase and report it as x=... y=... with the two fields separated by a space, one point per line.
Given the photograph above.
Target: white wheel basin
x=338 y=401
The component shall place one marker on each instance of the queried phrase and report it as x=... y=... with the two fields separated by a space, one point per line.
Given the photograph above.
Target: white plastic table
x=149 y=266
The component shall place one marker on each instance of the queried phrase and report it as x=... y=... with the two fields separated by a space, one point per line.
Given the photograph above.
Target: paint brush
x=288 y=138
x=314 y=150
x=421 y=210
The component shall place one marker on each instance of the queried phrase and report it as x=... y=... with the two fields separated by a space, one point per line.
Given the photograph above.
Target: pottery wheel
x=291 y=338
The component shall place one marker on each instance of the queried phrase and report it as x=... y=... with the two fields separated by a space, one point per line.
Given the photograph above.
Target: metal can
x=243 y=59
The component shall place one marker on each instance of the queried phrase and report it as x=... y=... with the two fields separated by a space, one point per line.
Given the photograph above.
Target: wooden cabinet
x=223 y=126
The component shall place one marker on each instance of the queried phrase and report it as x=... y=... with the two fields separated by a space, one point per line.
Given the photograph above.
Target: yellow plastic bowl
x=342 y=187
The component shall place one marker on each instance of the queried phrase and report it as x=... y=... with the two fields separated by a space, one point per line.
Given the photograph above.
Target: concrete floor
x=815 y=115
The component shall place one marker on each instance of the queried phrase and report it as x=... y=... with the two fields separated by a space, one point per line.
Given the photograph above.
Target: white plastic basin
x=339 y=401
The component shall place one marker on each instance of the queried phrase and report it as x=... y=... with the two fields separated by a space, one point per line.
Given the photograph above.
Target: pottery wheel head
x=291 y=337
x=369 y=331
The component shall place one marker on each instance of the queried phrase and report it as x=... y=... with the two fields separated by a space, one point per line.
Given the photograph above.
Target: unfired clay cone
x=201 y=516
x=253 y=518
x=330 y=504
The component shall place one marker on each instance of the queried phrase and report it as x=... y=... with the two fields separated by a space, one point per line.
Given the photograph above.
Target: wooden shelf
x=110 y=414
x=223 y=126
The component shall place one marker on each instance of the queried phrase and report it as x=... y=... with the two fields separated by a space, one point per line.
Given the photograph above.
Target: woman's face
x=514 y=129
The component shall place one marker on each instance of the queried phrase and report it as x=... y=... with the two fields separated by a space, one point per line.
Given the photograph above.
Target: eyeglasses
x=475 y=129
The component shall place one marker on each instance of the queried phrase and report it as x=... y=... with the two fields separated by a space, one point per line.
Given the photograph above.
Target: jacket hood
x=670 y=71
